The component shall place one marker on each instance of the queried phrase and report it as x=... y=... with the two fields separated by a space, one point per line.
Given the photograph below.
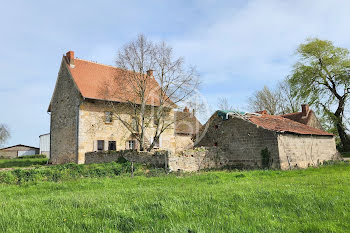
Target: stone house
x=81 y=119
x=18 y=151
x=240 y=139
x=186 y=127
x=306 y=117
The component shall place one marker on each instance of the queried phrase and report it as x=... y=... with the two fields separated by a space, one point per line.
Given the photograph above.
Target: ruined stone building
x=81 y=121
x=233 y=139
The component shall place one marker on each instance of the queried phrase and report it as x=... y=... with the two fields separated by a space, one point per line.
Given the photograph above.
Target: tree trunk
x=345 y=141
x=343 y=136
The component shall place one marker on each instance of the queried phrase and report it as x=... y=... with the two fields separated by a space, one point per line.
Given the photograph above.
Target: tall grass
x=22 y=162
x=311 y=200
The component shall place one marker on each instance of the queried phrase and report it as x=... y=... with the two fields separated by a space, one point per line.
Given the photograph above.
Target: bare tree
x=223 y=104
x=288 y=103
x=265 y=99
x=4 y=134
x=279 y=100
x=151 y=83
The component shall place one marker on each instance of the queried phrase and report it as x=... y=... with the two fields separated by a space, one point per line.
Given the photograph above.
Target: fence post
x=132 y=169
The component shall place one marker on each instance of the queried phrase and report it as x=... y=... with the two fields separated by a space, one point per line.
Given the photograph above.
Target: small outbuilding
x=45 y=144
x=262 y=140
x=18 y=151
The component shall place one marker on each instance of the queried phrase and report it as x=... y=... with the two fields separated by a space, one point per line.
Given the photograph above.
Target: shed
x=245 y=139
x=45 y=144
x=18 y=151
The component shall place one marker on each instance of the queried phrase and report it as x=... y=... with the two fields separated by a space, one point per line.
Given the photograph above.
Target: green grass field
x=311 y=200
x=8 y=163
x=346 y=154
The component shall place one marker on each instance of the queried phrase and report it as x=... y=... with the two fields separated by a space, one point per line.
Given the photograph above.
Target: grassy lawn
x=311 y=200
x=346 y=154
x=7 y=163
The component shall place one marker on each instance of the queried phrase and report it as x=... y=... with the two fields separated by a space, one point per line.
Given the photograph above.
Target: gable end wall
x=64 y=118
x=240 y=142
x=303 y=151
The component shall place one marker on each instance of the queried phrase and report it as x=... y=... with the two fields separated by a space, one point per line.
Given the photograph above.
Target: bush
x=71 y=171
x=33 y=157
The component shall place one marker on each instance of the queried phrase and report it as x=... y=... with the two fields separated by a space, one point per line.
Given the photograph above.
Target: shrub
x=71 y=171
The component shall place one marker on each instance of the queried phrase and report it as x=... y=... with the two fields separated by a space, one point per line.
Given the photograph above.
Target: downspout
x=49 y=160
x=77 y=132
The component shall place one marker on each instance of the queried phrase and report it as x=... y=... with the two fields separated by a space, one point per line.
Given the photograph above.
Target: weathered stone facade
x=64 y=108
x=92 y=127
x=304 y=151
x=78 y=123
x=183 y=142
x=239 y=142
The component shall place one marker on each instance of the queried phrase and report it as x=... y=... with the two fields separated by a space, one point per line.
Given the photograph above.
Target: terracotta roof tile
x=297 y=116
x=103 y=82
x=281 y=124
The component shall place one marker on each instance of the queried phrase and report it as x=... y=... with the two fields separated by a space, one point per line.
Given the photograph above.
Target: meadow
x=311 y=200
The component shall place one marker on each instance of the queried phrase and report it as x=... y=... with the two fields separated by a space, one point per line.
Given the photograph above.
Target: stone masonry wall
x=194 y=160
x=92 y=127
x=156 y=159
x=64 y=118
x=304 y=150
x=238 y=142
x=183 y=142
x=314 y=122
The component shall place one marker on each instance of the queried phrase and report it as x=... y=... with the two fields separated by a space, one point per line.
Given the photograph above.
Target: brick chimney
x=304 y=110
x=70 y=57
x=149 y=72
x=263 y=112
x=186 y=109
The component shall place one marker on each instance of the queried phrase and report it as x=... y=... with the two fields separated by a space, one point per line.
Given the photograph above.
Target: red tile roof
x=281 y=124
x=103 y=82
x=298 y=116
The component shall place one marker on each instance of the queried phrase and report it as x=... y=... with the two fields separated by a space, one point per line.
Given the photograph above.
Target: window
x=132 y=145
x=108 y=117
x=112 y=145
x=100 y=145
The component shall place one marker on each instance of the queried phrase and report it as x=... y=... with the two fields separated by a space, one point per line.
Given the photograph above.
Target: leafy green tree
x=321 y=76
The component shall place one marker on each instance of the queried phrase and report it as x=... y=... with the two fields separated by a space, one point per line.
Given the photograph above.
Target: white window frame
x=132 y=144
x=108 y=117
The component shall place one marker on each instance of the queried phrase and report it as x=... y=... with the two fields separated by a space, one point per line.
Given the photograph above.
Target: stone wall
x=302 y=151
x=238 y=142
x=92 y=127
x=183 y=142
x=313 y=121
x=156 y=159
x=64 y=118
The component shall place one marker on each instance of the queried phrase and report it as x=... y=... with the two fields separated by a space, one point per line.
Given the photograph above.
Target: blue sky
x=237 y=46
